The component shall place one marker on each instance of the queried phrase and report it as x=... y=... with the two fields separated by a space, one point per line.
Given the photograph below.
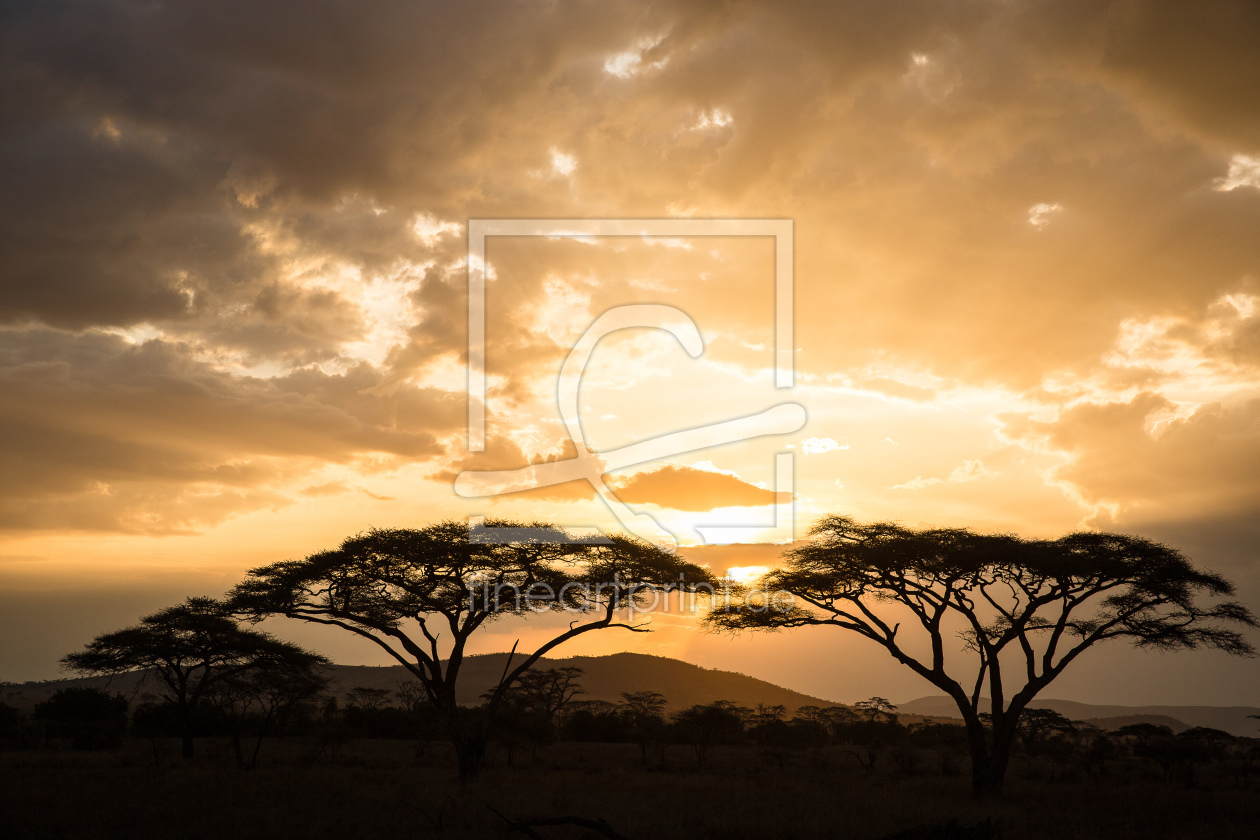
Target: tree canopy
x=421 y=594
x=1023 y=609
x=190 y=647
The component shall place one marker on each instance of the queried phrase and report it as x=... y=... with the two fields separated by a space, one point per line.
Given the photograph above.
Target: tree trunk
x=185 y=707
x=263 y=726
x=977 y=744
x=186 y=732
x=470 y=752
x=253 y=759
x=468 y=734
x=995 y=773
x=988 y=767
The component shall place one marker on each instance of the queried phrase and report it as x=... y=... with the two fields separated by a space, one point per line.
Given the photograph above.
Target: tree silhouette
x=282 y=681
x=370 y=699
x=595 y=721
x=1143 y=733
x=875 y=708
x=190 y=647
x=705 y=725
x=411 y=696
x=871 y=730
x=644 y=714
x=90 y=717
x=547 y=692
x=533 y=705
x=10 y=721
x=1032 y=605
x=1037 y=727
x=403 y=589
x=824 y=724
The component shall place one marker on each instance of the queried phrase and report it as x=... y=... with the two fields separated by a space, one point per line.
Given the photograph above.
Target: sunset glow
x=746 y=574
x=236 y=276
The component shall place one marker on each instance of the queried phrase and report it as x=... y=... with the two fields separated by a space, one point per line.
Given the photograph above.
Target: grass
x=375 y=789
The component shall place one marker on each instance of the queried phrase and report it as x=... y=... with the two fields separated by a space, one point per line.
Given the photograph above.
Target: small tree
x=548 y=691
x=774 y=736
x=875 y=709
x=1038 y=727
x=1026 y=609
x=190 y=647
x=824 y=724
x=403 y=589
x=530 y=708
x=644 y=714
x=871 y=730
x=282 y=682
x=369 y=699
x=1201 y=745
x=704 y=726
x=411 y=696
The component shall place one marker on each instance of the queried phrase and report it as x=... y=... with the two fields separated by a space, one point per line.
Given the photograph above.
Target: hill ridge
x=1232 y=719
x=683 y=684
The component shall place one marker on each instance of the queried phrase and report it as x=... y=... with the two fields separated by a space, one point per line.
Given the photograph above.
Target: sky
x=233 y=290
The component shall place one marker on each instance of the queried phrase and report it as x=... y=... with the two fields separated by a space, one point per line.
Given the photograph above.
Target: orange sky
x=234 y=287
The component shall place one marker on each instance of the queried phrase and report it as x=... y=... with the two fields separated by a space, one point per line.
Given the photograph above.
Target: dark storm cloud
x=96 y=231
x=231 y=113
x=1194 y=64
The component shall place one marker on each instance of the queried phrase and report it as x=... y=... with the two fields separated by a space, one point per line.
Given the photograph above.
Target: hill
x=604 y=678
x=683 y=685
x=1232 y=719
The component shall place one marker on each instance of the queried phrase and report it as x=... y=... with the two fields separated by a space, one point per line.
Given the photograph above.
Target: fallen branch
x=527 y=827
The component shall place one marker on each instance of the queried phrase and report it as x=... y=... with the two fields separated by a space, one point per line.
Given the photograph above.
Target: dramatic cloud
x=1135 y=458
x=686 y=488
x=234 y=269
x=273 y=198
x=101 y=433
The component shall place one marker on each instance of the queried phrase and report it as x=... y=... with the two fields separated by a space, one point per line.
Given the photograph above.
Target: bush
x=91 y=718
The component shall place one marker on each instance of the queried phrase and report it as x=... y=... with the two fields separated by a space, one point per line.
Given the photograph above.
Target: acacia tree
x=1024 y=609
x=705 y=725
x=548 y=692
x=644 y=711
x=406 y=589
x=190 y=647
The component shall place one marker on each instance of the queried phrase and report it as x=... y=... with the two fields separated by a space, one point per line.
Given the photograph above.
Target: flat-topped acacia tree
x=421 y=594
x=1024 y=610
x=192 y=648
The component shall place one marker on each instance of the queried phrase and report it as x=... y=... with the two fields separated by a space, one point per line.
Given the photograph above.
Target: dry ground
x=376 y=789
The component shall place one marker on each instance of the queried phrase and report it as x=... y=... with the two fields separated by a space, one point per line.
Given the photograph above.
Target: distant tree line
x=545 y=709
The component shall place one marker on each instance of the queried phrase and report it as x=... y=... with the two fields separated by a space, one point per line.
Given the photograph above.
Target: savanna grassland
x=385 y=788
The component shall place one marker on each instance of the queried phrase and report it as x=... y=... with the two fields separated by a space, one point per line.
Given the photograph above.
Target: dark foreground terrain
x=377 y=789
